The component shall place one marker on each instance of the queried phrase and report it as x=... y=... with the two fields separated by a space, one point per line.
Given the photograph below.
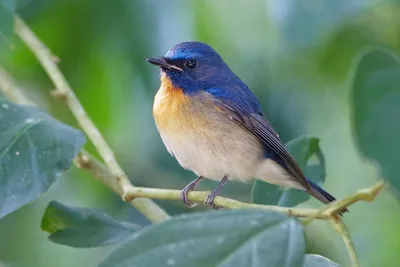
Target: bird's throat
x=169 y=105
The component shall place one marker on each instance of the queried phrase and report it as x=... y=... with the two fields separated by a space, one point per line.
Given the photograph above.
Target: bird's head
x=194 y=66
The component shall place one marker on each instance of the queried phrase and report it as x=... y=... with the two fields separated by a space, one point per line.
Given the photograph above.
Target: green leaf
x=376 y=110
x=34 y=150
x=81 y=227
x=6 y=19
x=303 y=150
x=251 y=238
x=313 y=260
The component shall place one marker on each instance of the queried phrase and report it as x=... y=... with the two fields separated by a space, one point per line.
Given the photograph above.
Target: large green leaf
x=250 y=238
x=81 y=227
x=34 y=150
x=376 y=110
x=313 y=260
x=303 y=149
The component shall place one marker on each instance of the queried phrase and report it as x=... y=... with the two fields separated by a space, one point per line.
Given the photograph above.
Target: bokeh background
x=296 y=56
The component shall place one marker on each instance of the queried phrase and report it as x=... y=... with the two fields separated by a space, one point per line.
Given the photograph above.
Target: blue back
x=211 y=74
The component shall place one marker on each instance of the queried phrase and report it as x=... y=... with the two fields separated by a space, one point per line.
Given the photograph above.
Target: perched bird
x=211 y=122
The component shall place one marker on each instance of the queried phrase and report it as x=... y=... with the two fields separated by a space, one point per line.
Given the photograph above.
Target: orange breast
x=170 y=106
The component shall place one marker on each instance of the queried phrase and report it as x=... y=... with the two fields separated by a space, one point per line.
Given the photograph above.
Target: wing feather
x=262 y=128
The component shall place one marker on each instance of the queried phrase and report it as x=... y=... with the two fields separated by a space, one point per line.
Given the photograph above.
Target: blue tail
x=320 y=194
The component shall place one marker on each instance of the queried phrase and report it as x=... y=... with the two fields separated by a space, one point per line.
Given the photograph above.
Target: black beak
x=161 y=62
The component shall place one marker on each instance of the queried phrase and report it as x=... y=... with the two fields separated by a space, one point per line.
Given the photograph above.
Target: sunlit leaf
x=34 y=150
x=376 y=110
x=250 y=238
x=303 y=149
x=81 y=227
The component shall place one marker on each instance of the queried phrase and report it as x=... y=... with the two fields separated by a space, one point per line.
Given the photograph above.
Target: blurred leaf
x=302 y=149
x=231 y=238
x=34 y=150
x=8 y=4
x=313 y=260
x=376 y=110
x=6 y=19
x=303 y=23
x=81 y=227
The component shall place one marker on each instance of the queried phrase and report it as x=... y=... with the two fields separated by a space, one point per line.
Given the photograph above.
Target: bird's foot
x=210 y=198
x=210 y=201
x=185 y=191
x=184 y=198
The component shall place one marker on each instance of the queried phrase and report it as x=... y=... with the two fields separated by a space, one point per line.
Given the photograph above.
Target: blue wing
x=242 y=107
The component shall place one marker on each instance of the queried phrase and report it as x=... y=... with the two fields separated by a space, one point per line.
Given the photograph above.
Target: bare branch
x=342 y=230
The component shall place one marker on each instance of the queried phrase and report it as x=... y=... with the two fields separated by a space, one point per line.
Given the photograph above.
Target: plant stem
x=64 y=91
x=342 y=230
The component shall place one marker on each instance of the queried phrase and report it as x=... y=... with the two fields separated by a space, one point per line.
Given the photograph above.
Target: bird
x=212 y=123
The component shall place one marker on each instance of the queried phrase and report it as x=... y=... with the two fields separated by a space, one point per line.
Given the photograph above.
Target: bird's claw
x=210 y=201
x=184 y=198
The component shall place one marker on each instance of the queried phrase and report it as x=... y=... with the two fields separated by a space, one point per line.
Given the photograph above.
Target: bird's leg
x=187 y=189
x=210 y=199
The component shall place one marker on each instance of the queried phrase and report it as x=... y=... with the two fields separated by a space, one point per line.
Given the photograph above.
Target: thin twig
x=334 y=208
x=47 y=59
x=343 y=231
x=101 y=173
x=98 y=170
x=84 y=160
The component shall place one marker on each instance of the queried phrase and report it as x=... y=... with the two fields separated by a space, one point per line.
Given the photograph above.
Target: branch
x=342 y=230
x=64 y=91
x=334 y=208
x=84 y=160
x=98 y=170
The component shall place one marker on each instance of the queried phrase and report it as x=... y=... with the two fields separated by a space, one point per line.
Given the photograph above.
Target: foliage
x=376 y=109
x=80 y=227
x=226 y=238
x=34 y=150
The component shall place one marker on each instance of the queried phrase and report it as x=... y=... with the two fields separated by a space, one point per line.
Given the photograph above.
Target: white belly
x=235 y=153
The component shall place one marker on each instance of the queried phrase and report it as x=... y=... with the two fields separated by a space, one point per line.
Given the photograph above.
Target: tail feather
x=320 y=194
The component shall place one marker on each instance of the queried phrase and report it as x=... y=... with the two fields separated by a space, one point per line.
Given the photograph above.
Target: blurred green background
x=296 y=56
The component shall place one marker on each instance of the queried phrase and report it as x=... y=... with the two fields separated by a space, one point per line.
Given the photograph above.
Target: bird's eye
x=191 y=64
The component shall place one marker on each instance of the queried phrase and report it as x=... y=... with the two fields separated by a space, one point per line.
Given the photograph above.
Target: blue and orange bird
x=211 y=122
